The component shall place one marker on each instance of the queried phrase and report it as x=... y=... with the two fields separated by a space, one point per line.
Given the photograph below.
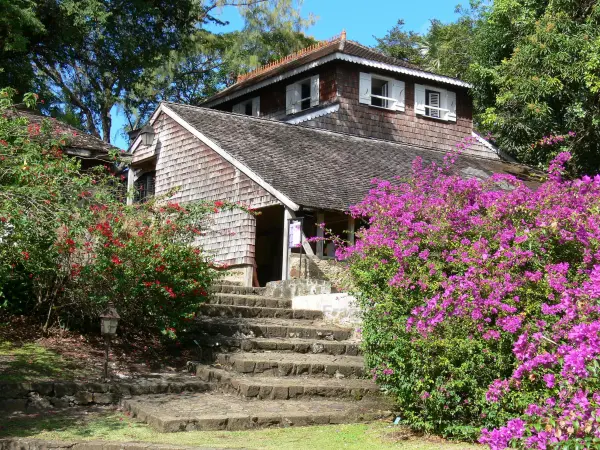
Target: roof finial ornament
x=344 y=34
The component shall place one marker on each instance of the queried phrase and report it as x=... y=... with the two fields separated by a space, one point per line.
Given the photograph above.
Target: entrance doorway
x=269 y=244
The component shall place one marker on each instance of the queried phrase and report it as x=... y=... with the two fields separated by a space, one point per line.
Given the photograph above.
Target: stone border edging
x=40 y=444
x=59 y=394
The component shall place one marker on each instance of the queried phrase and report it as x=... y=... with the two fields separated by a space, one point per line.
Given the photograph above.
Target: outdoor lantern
x=147 y=134
x=109 y=320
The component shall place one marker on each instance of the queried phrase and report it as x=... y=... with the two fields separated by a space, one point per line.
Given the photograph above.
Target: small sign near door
x=295 y=234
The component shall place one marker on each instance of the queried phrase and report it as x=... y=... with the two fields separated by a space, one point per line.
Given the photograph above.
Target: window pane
x=380 y=88
x=432 y=98
x=248 y=108
x=305 y=95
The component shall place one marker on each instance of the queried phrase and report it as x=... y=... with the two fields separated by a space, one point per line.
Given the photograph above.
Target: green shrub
x=68 y=245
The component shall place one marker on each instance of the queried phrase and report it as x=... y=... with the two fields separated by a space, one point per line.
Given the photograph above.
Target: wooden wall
x=339 y=83
x=201 y=174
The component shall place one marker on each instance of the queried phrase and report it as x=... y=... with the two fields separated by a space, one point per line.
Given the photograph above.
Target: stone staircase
x=267 y=365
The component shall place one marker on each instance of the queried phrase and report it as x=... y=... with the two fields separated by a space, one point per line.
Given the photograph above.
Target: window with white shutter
x=435 y=102
x=382 y=92
x=249 y=107
x=302 y=95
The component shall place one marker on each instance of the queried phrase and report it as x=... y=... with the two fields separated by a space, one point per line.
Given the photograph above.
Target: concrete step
x=269 y=328
x=286 y=388
x=249 y=300
x=218 y=411
x=239 y=290
x=224 y=344
x=292 y=364
x=258 y=312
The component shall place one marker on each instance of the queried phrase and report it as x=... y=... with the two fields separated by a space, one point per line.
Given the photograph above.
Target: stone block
x=280 y=393
x=43 y=388
x=61 y=402
x=249 y=390
x=36 y=402
x=105 y=398
x=295 y=391
x=97 y=387
x=211 y=423
x=83 y=397
x=239 y=422
x=62 y=388
x=265 y=391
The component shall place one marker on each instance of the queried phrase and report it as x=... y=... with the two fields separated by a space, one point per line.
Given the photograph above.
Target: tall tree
x=212 y=62
x=445 y=48
x=401 y=44
x=536 y=73
x=94 y=53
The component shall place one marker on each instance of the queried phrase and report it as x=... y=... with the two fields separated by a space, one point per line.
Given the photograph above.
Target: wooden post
x=130 y=181
x=351 y=229
x=320 y=234
x=285 y=264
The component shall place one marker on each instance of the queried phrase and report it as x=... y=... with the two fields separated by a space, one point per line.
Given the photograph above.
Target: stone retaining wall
x=59 y=394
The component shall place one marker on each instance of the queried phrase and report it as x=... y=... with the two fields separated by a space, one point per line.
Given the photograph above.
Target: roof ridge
x=297 y=54
x=322 y=130
x=401 y=61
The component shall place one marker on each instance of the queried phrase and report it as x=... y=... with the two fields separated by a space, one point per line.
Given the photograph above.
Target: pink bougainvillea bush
x=481 y=304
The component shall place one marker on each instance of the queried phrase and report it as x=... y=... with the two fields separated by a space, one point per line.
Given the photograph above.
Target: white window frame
x=240 y=108
x=293 y=94
x=366 y=95
x=447 y=108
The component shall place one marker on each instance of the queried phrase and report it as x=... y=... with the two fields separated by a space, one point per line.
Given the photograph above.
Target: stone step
x=223 y=344
x=239 y=290
x=218 y=411
x=292 y=364
x=258 y=312
x=287 y=388
x=249 y=300
x=270 y=328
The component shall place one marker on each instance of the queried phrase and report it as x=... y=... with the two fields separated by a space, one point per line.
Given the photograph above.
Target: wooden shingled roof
x=318 y=168
x=76 y=139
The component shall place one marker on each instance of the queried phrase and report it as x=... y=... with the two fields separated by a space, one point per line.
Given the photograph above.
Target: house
x=90 y=150
x=302 y=138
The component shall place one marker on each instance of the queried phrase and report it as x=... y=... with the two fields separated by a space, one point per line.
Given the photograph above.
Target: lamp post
x=109 y=320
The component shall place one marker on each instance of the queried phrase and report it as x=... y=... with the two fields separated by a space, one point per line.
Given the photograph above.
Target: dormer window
x=436 y=103
x=302 y=95
x=249 y=107
x=381 y=92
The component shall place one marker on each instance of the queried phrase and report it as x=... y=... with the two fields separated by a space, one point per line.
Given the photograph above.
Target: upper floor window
x=435 y=102
x=250 y=107
x=302 y=95
x=382 y=92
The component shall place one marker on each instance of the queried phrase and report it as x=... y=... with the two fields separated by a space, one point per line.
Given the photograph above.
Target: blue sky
x=362 y=19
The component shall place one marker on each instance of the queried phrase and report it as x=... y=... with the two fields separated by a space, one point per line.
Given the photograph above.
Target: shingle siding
x=339 y=82
x=184 y=162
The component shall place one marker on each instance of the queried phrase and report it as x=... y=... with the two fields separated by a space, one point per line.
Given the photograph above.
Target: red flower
x=115 y=259
x=25 y=255
x=160 y=268
x=219 y=203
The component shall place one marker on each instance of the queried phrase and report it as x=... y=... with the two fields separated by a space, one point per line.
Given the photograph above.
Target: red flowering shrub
x=481 y=305
x=68 y=246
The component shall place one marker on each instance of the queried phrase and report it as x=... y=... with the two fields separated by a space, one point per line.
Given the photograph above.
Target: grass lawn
x=115 y=426
x=33 y=362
